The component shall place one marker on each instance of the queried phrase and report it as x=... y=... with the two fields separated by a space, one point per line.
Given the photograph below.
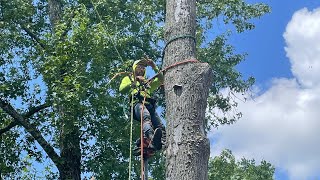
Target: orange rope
x=142 y=138
x=171 y=66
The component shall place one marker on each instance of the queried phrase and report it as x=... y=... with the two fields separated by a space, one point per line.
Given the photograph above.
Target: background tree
x=55 y=70
x=225 y=166
x=57 y=58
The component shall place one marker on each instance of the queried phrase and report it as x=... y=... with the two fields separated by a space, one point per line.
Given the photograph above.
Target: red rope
x=171 y=66
x=142 y=139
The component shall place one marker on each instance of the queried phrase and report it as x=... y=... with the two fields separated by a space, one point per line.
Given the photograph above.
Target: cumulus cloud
x=302 y=37
x=282 y=124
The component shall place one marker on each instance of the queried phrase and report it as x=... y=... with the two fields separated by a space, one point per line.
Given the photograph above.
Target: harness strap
x=144 y=99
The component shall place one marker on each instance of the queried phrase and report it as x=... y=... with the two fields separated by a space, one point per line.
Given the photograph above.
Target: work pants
x=150 y=118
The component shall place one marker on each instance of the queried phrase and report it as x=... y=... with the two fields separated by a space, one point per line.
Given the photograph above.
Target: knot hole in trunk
x=177 y=89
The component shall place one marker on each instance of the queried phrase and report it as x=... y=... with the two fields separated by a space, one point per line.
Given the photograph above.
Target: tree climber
x=137 y=85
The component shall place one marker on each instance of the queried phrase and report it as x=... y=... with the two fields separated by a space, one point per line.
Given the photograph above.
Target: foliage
x=9 y=161
x=157 y=167
x=68 y=68
x=225 y=166
x=234 y=15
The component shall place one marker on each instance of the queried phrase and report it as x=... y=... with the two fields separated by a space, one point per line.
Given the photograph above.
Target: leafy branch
x=7 y=128
x=34 y=110
x=36 y=134
x=33 y=36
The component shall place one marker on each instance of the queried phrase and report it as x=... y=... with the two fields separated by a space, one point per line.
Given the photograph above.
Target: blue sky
x=265 y=44
x=280 y=118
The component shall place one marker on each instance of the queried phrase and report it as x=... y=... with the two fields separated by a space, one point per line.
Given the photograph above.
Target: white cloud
x=303 y=48
x=282 y=125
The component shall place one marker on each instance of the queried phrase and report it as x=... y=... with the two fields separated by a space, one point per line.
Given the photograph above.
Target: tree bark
x=8 y=127
x=70 y=151
x=54 y=11
x=186 y=92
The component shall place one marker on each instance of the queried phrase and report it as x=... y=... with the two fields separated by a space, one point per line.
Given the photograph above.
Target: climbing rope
x=171 y=66
x=131 y=123
x=131 y=118
x=143 y=170
x=175 y=38
x=142 y=139
x=116 y=75
x=105 y=29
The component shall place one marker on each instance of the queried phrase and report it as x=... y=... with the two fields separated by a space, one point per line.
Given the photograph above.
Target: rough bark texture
x=186 y=91
x=54 y=11
x=70 y=152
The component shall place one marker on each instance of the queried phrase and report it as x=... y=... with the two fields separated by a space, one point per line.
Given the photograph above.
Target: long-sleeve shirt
x=127 y=85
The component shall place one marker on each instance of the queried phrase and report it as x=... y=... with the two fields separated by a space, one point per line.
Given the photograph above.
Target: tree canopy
x=225 y=166
x=57 y=58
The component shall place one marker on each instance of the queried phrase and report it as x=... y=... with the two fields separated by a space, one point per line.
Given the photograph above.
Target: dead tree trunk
x=186 y=92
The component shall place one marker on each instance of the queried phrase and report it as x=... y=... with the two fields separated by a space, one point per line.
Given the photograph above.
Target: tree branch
x=34 y=110
x=33 y=36
x=36 y=134
x=68 y=27
x=7 y=128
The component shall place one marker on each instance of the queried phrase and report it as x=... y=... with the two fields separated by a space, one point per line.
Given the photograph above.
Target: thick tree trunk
x=54 y=11
x=69 y=141
x=70 y=152
x=186 y=91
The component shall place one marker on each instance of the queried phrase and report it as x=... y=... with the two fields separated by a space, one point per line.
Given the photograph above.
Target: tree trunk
x=70 y=151
x=186 y=91
x=69 y=140
x=54 y=11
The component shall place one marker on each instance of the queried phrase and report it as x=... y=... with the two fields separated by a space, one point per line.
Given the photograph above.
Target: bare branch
x=36 y=134
x=7 y=128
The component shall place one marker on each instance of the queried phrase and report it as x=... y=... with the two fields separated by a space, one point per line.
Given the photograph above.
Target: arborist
x=138 y=86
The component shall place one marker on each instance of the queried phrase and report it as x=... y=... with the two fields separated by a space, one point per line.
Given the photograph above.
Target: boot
x=156 y=139
x=148 y=151
x=147 y=141
x=148 y=132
